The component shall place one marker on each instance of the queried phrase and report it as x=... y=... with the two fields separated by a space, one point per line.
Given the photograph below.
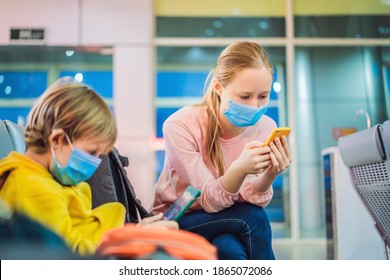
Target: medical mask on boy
x=242 y=115
x=81 y=166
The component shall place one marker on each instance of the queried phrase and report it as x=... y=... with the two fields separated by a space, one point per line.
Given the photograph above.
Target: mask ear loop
x=67 y=138
x=52 y=150
x=226 y=97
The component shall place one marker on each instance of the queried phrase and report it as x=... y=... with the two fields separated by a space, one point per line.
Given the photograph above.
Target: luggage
x=135 y=242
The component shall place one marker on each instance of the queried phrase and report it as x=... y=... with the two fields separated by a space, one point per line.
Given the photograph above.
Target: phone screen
x=180 y=206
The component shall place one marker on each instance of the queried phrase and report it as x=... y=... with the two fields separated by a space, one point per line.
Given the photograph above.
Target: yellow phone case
x=277 y=132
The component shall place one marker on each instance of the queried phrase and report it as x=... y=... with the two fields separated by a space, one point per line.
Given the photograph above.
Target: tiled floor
x=299 y=250
x=309 y=247
x=286 y=249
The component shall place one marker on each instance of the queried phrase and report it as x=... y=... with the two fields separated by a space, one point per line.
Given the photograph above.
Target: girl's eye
x=244 y=97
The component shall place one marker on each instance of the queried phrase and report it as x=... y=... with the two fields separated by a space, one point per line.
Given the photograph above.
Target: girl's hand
x=280 y=157
x=254 y=158
x=155 y=221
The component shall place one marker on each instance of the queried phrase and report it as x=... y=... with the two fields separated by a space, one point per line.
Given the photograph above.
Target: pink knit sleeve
x=250 y=194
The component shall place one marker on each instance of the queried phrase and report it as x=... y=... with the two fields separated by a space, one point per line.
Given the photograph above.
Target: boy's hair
x=73 y=107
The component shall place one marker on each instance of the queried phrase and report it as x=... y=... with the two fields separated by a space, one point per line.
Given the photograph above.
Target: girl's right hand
x=254 y=158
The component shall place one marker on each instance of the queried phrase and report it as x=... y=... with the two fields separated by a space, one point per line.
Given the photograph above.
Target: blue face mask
x=81 y=166
x=242 y=115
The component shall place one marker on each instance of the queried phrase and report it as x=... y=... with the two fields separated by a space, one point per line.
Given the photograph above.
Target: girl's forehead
x=249 y=77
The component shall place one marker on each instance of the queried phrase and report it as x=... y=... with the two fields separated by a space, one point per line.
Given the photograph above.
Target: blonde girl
x=217 y=146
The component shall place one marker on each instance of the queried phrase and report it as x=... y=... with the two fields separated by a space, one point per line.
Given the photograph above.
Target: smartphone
x=277 y=132
x=180 y=206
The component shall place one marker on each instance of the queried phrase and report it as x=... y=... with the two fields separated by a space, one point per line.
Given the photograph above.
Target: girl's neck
x=229 y=131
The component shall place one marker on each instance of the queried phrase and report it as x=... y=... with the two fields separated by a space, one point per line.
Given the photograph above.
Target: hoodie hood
x=17 y=160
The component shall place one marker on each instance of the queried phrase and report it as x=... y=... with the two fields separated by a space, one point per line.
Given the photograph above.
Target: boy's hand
x=155 y=221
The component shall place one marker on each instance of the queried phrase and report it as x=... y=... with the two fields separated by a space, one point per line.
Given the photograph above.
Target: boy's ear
x=57 y=137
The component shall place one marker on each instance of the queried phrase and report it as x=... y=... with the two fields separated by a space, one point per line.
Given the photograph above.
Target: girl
x=217 y=146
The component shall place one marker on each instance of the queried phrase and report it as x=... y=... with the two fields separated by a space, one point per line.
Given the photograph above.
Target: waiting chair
x=366 y=156
x=11 y=138
x=386 y=135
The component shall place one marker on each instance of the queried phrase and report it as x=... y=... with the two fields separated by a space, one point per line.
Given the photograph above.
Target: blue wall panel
x=180 y=84
x=100 y=81
x=23 y=84
x=12 y=114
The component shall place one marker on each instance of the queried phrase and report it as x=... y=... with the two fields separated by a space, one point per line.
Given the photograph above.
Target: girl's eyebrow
x=250 y=93
x=245 y=92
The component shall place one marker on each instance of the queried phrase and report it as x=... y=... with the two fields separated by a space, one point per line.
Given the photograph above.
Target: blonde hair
x=235 y=57
x=73 y=107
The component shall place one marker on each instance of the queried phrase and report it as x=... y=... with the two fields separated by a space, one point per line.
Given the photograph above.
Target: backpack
x=110 y=183
x=135 y=242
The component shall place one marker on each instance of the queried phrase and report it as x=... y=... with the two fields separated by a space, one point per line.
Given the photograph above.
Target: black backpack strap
x=124 y=188
x=102 y=184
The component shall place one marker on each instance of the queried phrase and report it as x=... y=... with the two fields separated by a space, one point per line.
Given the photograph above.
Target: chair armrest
x=363 y=147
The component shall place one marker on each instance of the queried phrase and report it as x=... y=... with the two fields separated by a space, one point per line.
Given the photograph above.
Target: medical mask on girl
x=81 y=166
x=242 y=115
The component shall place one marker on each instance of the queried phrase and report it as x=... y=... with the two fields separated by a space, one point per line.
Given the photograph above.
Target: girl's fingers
x=274 y=160
x=261 y=166
x=278 y=155
x=286 y=148
x=282 y=153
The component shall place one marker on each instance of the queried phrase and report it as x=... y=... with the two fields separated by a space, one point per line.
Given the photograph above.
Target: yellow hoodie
x=27 y=187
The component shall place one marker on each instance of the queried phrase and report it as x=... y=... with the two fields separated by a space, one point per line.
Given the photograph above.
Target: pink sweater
x=185 y=164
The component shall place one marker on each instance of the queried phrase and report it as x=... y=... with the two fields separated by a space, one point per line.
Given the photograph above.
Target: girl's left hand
x=280 y=157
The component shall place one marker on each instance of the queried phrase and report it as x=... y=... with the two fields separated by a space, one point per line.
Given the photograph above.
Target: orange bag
x=134 y=242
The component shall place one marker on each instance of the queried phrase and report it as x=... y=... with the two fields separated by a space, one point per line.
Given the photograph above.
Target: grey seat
x=366 y=156
x=386 y=135
x=11 y=138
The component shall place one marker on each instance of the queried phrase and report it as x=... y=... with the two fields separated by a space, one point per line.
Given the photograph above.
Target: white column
x=309 y=178
x=134 y=111
x=130 y=31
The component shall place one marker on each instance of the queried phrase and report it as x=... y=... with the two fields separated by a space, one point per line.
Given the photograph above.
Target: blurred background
x=149 y=58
